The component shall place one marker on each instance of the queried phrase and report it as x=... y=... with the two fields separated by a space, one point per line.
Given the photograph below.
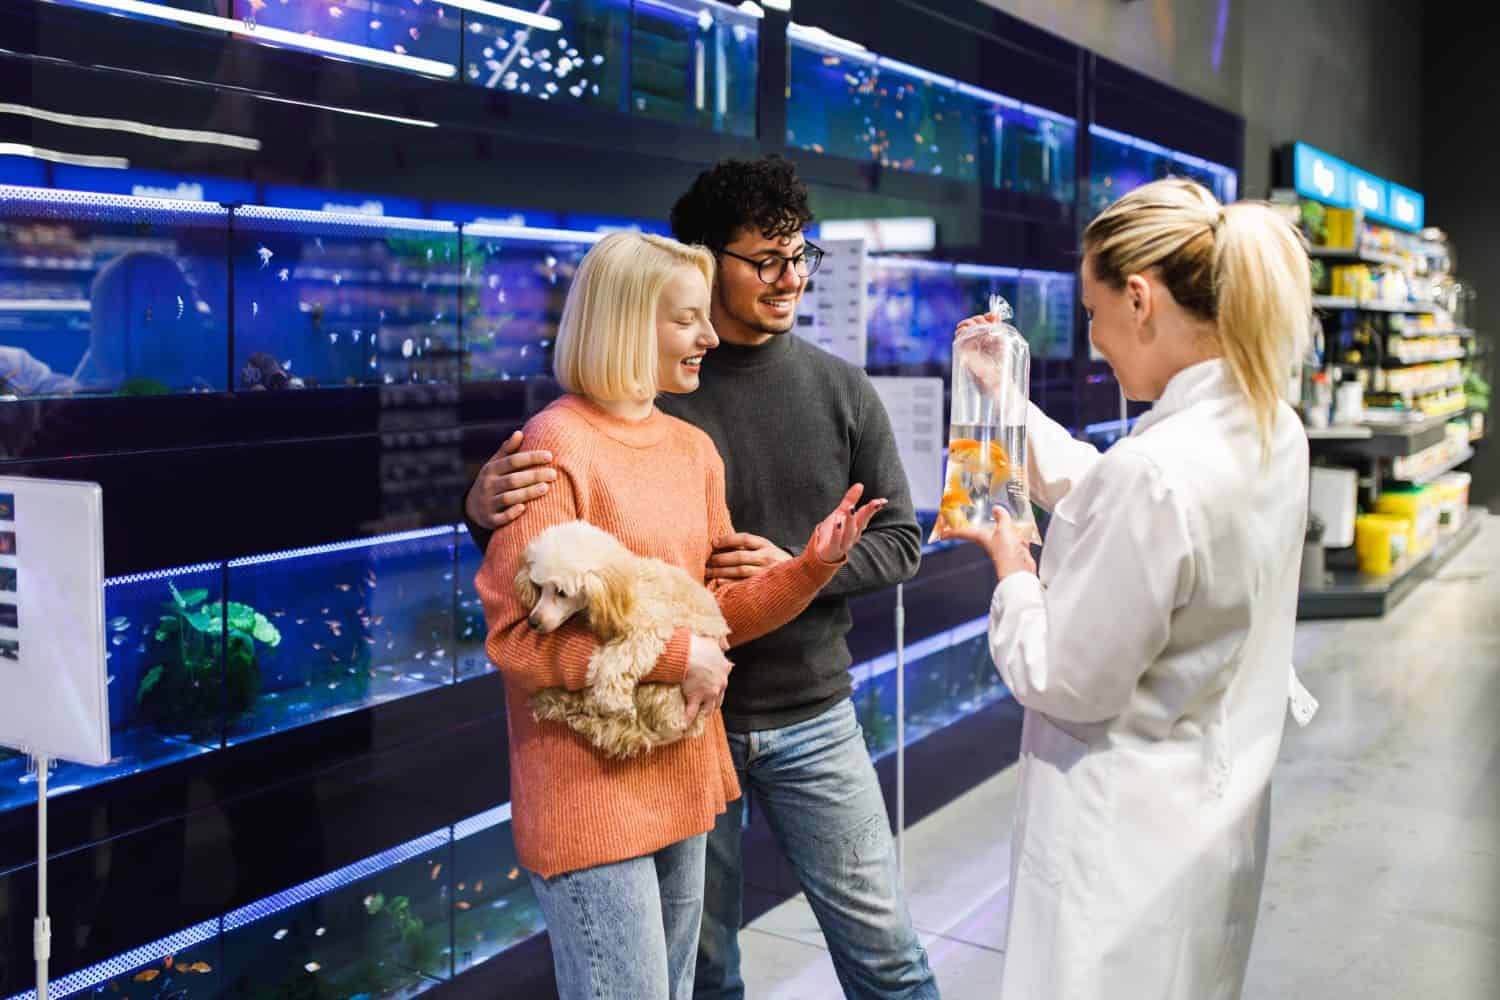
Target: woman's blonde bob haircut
x=1240 y=266
x=606 y=342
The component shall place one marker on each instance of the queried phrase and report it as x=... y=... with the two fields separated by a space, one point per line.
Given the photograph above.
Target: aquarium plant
x=179 y=690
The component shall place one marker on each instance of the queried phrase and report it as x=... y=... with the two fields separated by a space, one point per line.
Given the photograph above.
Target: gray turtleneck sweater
x=796 y=428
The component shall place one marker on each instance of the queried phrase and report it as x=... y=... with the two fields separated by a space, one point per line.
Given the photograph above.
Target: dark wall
x=1461 y=174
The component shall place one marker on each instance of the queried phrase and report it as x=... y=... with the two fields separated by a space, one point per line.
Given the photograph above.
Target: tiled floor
x=1384 y=880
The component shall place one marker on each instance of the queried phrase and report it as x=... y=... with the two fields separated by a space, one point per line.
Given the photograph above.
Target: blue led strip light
x=95 y=200
x=922 y=648
x=694 y=6
x=335 y=880
x=986 y=271
x=260 y=213
x=358 y=543
x=910 y=264
x=538 y=235
x=487 y=820
x=83 y=979
x=160 y=574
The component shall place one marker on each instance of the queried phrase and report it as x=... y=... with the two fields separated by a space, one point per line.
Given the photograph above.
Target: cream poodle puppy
x=633 y=605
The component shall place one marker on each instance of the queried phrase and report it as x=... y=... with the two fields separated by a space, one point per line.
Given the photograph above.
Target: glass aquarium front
x=516 y=281
x=1121 y=163
x=567 y=51
x=948 y=676
x=916 y=304
x=110 y=295
x=493 y=905
x=388 y=927
x=846 y=101
x=323 y=299
x=337 y=628
x=694 y=62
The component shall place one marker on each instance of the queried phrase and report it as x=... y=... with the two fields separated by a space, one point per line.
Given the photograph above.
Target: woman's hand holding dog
x=836 y=534
x=707 y=677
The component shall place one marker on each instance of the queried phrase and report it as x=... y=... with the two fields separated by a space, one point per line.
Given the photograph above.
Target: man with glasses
x=796 y=427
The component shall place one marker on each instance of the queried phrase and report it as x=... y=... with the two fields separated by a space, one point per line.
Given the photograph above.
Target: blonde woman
x=1153 y=651
x=615 y=849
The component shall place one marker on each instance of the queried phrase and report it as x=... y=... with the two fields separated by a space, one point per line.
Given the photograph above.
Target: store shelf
x=1444 y=468
x=1355 y=254
x=1383 y=442
x=1435 y=359
x=1357 y=595
x=1344 y=302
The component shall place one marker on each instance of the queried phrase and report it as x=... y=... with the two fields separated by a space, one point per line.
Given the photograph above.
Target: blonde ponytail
x=1240 y=266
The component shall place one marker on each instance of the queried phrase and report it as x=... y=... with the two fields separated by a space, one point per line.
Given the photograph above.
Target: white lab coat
x=1153 y=657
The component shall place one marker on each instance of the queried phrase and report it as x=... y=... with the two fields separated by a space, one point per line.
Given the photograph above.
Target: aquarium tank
x=110 y=295
x=846 y=101
x=515 y=283
x=1121 y=163
x=327 y=299
x=916 y=304
x=695 y=62
x=949 y=676
x=387 y=927
x=339 y=627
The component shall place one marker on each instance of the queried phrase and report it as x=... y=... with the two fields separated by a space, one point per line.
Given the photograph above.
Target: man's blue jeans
x=627 y=931
x=818 y=788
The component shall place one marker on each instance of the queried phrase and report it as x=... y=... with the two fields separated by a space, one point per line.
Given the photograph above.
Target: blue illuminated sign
x=1367 y=193
x=1328 y=179
x=1408 y=208
x=1321 y=177
x=153 y=184
x=450 y=211
x=343 y=202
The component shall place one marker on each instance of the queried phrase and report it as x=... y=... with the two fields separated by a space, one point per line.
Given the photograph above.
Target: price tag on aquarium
x=53 y=685
x=832 y=314
x=915 y=406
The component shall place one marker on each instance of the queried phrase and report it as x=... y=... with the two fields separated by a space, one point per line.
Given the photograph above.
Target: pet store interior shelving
x=281 y=275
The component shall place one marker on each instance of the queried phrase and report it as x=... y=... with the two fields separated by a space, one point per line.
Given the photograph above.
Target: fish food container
x=1380 y=541
x=986 y=465
x=1421 y=507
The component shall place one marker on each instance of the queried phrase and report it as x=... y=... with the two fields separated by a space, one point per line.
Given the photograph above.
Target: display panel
x=568 y=52
x=110 y=295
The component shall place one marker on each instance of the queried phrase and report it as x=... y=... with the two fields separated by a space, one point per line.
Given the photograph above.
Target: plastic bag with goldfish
x=987 y=428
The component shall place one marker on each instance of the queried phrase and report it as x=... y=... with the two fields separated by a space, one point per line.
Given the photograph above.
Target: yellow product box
x=1380 y=542
x=1453 y=490
x=1340 y=223
x=1421 y=506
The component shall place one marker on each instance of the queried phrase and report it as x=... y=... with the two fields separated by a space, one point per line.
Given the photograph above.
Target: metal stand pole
x=42 y=929
x=901 y=732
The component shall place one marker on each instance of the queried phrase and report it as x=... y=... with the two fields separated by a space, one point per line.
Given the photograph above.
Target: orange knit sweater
x=658 y=486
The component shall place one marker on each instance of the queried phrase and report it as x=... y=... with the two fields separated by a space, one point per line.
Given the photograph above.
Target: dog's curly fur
x=634 y=604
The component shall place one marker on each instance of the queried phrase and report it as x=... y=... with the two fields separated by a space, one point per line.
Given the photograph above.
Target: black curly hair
x=763 y=194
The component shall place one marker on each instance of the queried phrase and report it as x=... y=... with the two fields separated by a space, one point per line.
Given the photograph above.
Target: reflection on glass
x=328 y=300
x=103 y=294
x=694 y=62
x=579 y=61
x=353 y=625
x=377 y=929
x=408 y=28
x=469 y=646
x=493 y=905
x=516 y=281
x=1121 y=163
x=849 y=102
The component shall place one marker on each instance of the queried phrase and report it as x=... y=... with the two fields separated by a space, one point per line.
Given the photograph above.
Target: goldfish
x=343 y=586
x=167 y=962
x=514 y=874
x=147 y=975
x=478 y=886
x=969 y=452
x=199 y=967
x=462 y=904
x=436 y=871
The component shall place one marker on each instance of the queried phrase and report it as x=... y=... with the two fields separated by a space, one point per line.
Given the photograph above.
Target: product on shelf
x=1418 y=507
x=1380 y=541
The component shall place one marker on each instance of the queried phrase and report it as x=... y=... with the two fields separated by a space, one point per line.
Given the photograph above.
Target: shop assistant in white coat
x=1153 y=652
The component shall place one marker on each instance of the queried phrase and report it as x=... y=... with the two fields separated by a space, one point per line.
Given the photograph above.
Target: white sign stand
x=54 y=699
x=915 y=407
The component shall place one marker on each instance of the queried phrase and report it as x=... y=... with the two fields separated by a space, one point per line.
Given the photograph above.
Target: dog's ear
x=611 y=597
x=526 y=591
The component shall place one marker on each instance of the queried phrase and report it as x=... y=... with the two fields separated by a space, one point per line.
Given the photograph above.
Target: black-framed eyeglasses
x=770 y=269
